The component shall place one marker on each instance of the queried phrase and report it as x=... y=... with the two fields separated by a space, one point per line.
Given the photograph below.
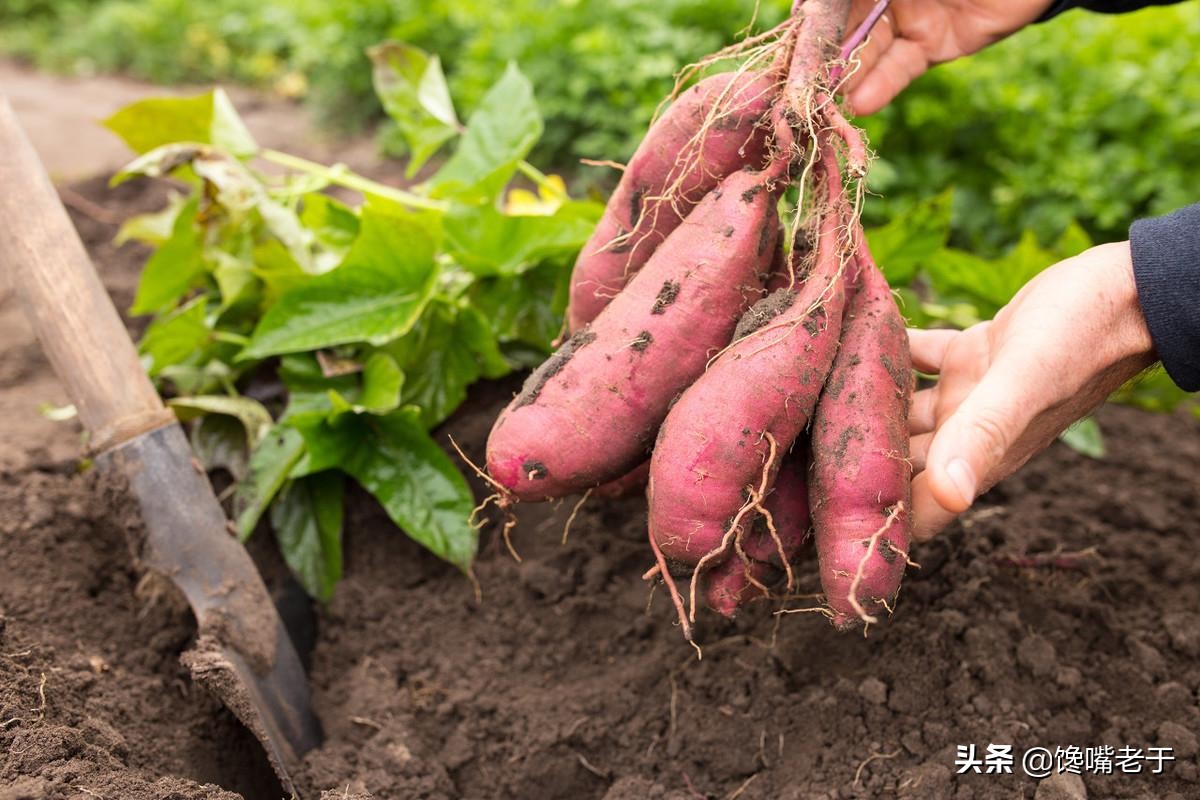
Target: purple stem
x=856 y=38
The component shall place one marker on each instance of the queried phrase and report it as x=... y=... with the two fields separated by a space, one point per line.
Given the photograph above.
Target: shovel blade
x=243 y=653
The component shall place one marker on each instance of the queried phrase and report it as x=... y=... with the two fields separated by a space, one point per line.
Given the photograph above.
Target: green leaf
x=270 y=462
x=287 y=228
x=154 y=228
x=236 y=280
x=254 y=417
x=208 y=118
x=1074 y=240
x=227 y=131
x=413 y=90
x=490 y=243
x=309 y=388
x=1085 y=438
x=159 y=162
x=989 y=284
x=381 y=382
x=172 y=338
x=220 y=443
x=211 y=375
x=174 y=268
x=451 y=348
x=333 y=224
x=526 y=309
x=307 y=518
x=230 y=185
x=375 y=295
x=909 y=241
x=500 y=132
x=277 y=269
x=394 y=459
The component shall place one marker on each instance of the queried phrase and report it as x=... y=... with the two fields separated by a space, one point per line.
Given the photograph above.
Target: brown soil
x=566 y=683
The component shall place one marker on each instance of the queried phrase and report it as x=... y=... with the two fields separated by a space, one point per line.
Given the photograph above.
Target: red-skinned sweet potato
x=736 y=581
x=673 y=168
x=590 y=413
x=628 y=484
x=860 y=475
x=742 y=415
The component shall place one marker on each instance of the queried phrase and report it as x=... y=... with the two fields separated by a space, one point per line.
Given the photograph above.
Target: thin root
x=735 y=524
x=872 y=543
x=503 y=499
x=574 y=512
x=873 y=757
x=783 y=557
x=506 y=532
x=669 y=582
x=592 y=162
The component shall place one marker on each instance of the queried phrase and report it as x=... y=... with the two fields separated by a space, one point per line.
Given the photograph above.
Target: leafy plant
x=1088 y=119
x=314 y=340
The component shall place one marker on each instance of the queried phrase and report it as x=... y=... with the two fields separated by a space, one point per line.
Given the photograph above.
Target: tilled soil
x=570 y=679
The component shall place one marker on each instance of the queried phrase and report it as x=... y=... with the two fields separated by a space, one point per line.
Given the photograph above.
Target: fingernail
x=959 y=472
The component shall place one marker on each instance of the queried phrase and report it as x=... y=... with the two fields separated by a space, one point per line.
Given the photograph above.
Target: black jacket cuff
x=1103 y=6
x=1166 y=267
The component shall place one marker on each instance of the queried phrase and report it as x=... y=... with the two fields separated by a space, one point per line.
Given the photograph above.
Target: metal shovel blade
x=243 y=654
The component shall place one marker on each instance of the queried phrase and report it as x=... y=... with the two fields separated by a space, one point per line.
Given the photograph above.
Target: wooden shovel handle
x=74 y=318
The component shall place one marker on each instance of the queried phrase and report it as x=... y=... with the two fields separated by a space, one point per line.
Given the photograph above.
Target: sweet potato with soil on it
x=673 y=168
x=590 y=413
x=716 y=441
x=787 y=504
x=731 y=583
x=860 y=475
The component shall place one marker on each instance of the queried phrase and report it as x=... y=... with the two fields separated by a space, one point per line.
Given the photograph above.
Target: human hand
x=913 y=35
x=1008 y=387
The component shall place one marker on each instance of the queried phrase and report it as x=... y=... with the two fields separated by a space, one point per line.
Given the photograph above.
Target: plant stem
x=340 y=175
x=856 y=38
x=537 y=176
x=231 y=338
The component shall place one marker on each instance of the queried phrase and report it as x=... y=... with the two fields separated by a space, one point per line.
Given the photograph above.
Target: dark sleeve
x=1104 y=6
x=1166 y=267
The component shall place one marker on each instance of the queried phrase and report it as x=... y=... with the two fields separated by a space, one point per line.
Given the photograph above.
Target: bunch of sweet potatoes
x=762 y=368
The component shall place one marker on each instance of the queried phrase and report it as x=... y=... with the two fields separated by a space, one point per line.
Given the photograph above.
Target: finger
x=922 y=417
x=867 y=56
x=897 y=67
x=918 y=451
x=928 y=517
x=975 y=438
x=929 y=348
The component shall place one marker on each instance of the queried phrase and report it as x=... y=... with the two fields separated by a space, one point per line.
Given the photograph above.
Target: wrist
x=1130 y=333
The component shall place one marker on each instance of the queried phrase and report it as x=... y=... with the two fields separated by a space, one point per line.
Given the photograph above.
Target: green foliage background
x=1088 y=118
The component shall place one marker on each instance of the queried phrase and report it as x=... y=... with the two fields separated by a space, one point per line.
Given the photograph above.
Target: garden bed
x=570 y=680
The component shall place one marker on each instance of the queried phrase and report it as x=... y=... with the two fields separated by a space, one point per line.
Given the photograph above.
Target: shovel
x=242 y=654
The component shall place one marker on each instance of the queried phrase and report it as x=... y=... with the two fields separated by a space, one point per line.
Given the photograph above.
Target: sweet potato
x=736 y=581
x=860 y=474
x=787 y=503
x=590 y=413
x=630 y=483
x=713 y=130
x=722 y=442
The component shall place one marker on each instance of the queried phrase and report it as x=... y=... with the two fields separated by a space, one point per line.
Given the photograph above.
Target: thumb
x=976 y=437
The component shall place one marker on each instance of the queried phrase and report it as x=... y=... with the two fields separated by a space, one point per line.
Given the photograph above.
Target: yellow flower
x=549 y=198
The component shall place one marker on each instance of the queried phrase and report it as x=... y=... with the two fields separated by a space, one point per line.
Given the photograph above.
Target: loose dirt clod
x=552 y=366
x=666 y=296
x=764 y=311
